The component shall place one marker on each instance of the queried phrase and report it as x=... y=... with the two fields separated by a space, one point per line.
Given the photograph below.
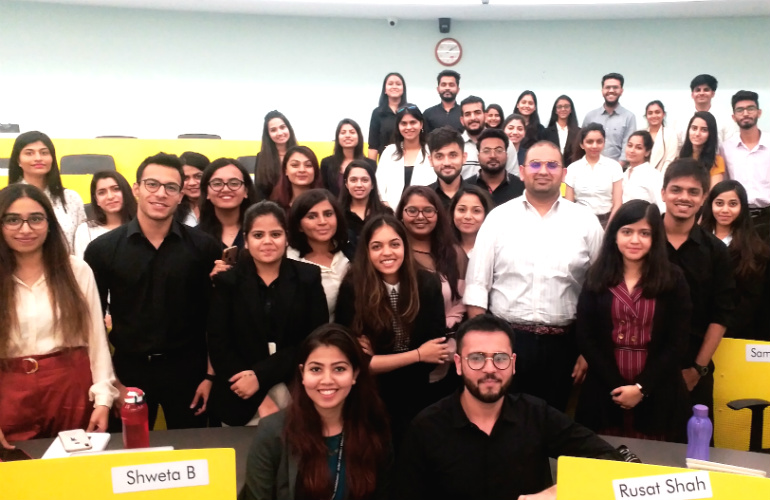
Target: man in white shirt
x=528 y=266
x=474 y=121
x=747 y=159
x=703 y=88
x=618 y=122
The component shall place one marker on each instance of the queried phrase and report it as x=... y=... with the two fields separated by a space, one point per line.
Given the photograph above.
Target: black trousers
x=169 y=381
x=544 y=365
x=761 y=220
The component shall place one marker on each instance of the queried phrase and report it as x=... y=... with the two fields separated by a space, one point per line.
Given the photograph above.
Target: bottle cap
x=700 y=411
x=134 y=395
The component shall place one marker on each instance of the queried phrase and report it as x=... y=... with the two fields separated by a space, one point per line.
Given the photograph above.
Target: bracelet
x=419 y=358
x=639 y=386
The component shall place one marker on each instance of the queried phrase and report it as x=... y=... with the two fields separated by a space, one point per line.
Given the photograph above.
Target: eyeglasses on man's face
x=477 y=360
x=153 y=186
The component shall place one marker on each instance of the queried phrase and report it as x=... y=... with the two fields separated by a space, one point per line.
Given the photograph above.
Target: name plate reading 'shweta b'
x=161 y=476
x=679 y=486
x=758 y=353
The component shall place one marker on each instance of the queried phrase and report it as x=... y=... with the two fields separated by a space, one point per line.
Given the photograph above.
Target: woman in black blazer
x=633 y=320
x=261 y=310
x=406 y=341
x=348 y=147
x=563 y=115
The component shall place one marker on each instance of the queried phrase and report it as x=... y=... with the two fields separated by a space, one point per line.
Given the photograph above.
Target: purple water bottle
x=699 y=431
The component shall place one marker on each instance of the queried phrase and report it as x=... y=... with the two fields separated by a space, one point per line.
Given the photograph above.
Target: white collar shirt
x=643 y=182
x=750 y=167
x=593 y=185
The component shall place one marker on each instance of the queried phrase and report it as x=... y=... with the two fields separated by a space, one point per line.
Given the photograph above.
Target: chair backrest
x=9 y=128
x=198 y=136
x=250 y=162
x=86 y=164
x=115 y=137
x=4 y=166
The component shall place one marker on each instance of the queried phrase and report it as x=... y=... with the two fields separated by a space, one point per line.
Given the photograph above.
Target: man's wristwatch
x=702 y=370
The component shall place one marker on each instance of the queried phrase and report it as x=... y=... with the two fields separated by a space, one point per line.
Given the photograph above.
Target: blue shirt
x=618 y=127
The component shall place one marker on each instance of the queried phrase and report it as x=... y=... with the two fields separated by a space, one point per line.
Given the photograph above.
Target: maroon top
x=632 y=317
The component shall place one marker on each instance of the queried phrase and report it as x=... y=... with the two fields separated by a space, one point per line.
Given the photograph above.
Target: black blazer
x=552 y=134
x=330 y=173
x=664 y=409
x=237 y=338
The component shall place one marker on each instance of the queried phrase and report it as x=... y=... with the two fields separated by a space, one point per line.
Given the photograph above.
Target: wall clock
x=449 y=51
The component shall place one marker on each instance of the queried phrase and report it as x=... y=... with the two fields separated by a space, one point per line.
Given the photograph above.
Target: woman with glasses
x=193 y=165
x=563 y=128
x=299 y=173
x=397 y=311
x=55 y=367
x=633 y=323
x=406 y=162
x=383 y=122
x=348 y=147
x=595 y=181
x=33 y=161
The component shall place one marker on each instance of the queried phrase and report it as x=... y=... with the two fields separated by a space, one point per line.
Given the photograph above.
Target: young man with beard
x=483 y=442
x=447 y=157
x=707 y=268
x=492 y=147
x=447 y=112
x=747 y=159
x=618 y=122
x=474 y=121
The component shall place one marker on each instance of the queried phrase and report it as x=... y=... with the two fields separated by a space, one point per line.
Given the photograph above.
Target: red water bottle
x=136 y=429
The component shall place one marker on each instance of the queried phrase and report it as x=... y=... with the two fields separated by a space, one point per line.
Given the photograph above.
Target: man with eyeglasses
x=156 y=273
x=747 y=159
x=703 y=88
x=483 y=442
x=492 y=147
x=618 y=122
x=528 y=267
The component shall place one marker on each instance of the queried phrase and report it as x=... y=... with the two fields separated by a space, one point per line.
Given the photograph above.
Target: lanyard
x=339 y=466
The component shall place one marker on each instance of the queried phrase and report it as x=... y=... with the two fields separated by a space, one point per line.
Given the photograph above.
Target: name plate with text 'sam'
x=758 y=353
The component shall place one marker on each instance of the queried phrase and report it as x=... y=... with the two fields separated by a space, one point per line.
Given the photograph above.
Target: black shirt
x=511 y=187
x=446 y=456
x=436 y=117
x=158 y=297
x=381 y=128
x=707 y=268
x=445 y=200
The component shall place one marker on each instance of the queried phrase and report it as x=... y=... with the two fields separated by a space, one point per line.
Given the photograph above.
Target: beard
x=492 y=170
x=475 y=131
x=448 y=98
x=747 y=124
x=489 y=397
x=449 y=179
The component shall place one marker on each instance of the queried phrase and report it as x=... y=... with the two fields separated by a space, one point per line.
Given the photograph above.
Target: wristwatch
x=702 y=370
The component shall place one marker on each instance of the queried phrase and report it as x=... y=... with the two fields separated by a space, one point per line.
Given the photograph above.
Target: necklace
x=339 y=466
x=420 y=251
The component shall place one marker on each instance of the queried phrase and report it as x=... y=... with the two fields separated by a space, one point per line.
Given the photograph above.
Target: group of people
x=369 y=317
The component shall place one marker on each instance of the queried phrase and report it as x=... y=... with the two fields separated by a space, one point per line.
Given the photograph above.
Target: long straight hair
x=364 y=424
x=374 y=205
x=383 y=102
x=708 y=154
x=534 y=121
x=209 y=222
x=483 y=196
x=71 y=313
x=52 y=178
x=373 y=315
x=339 y=153
x=284 y=192
x=442 y=240
x=413 y=111
x=127 y=211
x=299 y=209
x=748 y=252
x=609 y=269
x=268 y=168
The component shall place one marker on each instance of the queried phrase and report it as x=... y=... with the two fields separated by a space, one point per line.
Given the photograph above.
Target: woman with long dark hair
x=277 y=138
x=360 y=198
x=193 y=165
x=526 y=106
x=112 y=204
x=333 y=440
x=55 y=367
x=665 y=147
x=515 y=127
x=383 y=122
x=726 y=214
x=641 y=181
x=633 y=322
x=299 y=173
x=493 y=116
x=563 y=129
x=469 y=207
x=33 y=161
x=702 y=143
x=348 y=146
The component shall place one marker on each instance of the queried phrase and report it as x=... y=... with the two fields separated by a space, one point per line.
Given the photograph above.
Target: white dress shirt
x=390 y=175
x=750 y=167
x=593 y=185
x=528 y=268
x=331 y=277
x=665 y=149
x=36 y=335
x=643 y=182
x=85 y=234
x=471 y=165
x=563 y=134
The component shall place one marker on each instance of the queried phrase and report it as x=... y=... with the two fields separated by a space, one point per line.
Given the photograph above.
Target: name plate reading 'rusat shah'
x=679 y=486
x=758 y=353
x=160 y=476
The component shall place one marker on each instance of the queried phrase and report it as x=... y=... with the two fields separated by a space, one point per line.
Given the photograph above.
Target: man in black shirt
x=482 y=442
x=492 y=147
x=447 y=112
x=155 y=272
x=447 y=157
x=707 y=268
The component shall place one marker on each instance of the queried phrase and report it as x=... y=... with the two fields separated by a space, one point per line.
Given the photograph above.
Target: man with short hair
x=474 y=121
x=618 y=122
x=155 y=271
x=707 y=268
x=747 y=159
x=702 y=90
x=447 y=157
x=447 y=112
x=492 y=149
x=483 y=442
x=528 y=266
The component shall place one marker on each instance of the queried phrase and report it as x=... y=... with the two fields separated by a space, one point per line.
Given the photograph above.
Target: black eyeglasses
x=428 y=212
x=489 y=151
x=232 y=184
x=409 y=106
x=538 y=164
x=14 y=222
x=152 y=186
x=477 y=360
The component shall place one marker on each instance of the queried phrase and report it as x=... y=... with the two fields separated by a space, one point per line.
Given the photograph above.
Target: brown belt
x=542 y=329
x=31 y=364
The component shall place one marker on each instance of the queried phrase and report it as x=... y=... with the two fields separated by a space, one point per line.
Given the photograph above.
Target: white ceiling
x=455 y=9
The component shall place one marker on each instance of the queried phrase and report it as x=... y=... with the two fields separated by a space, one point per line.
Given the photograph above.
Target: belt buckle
x=35 y=366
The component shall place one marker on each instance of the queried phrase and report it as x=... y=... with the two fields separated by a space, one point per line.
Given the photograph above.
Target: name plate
x=160 y=476
x=679 y=486
x=758 y=353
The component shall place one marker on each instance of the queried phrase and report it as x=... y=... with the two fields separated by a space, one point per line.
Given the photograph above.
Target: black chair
x=4 y=163
x=86 y=164
x=757 y=407
x=250 y=162
x=9 y=128
x=198 y=136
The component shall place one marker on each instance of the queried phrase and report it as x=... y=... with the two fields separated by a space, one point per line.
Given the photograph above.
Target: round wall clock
x=449 y=51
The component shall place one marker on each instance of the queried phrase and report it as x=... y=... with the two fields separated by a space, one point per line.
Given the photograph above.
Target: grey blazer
x=271 y=471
